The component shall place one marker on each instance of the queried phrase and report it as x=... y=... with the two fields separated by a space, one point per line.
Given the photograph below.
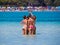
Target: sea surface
x=47 y=33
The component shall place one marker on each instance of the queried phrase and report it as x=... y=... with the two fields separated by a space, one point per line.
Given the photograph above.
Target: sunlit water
x=47 y=33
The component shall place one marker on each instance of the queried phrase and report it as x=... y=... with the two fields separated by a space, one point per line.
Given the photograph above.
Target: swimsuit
x=31 y=26
x=25 y=26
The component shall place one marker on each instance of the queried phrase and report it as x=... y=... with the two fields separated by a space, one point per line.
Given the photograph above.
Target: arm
x=22 y=22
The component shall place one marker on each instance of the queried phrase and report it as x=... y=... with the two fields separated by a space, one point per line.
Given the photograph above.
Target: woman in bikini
x=24 y=22
x=31 y=23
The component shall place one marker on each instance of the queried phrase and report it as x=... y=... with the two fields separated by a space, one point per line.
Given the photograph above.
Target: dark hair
x=27 y=17
x=24 y=17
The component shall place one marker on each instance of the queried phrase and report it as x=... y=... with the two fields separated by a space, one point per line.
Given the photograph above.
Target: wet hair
x=24 y=17
x=27 y=17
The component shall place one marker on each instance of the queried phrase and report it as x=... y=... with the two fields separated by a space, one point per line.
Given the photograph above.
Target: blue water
x=47 y=32
x=41 y=16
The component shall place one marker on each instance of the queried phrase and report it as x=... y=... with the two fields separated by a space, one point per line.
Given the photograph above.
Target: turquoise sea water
x=47 y=32
x=41 y=15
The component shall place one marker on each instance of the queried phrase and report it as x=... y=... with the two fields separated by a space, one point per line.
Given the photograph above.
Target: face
x=27 y=18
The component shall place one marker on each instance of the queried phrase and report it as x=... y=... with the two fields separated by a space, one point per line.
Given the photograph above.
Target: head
x=34 y=17
x=27 y=18
x=24 y=17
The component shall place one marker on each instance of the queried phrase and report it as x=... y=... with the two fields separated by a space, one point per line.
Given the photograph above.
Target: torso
x=25 y=23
